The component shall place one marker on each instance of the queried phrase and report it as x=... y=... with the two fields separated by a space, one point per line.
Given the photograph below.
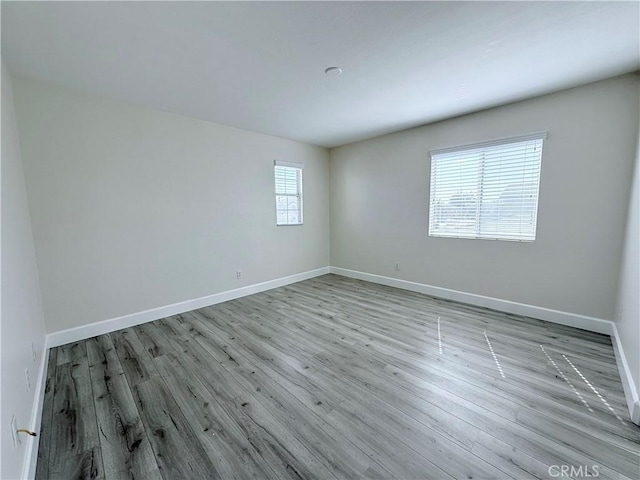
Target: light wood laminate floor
x=335 y=378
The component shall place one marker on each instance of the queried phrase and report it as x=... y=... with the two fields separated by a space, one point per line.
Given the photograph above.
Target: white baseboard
x=592 y=324
x=564 y=318
x=63 y=337
x=31 y=454
x=80 y=333
x=629 y=386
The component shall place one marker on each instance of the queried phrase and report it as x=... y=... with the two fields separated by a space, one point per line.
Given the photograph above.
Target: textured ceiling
x=259 y=66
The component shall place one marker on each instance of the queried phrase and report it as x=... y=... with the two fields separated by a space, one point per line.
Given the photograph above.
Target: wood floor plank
x=335 y=452
x=279 y=447
x=285 y=369
x=71 y=352
x=252 y=433
x=434 y=445
x=509 y=459
x=133 y=356
x=433 y=437
x=83 y=466
x=126 y=452
x=366 y=374
x=152 y=339
x=467 y=371
x=340 y=457
x=224 y=439
x=402 y=462
x=42 y=466
x=623 y=460
x=178 y=451
x=75 y=445
x=465 y=316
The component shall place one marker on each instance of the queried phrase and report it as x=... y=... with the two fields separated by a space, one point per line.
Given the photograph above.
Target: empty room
x=320 y=240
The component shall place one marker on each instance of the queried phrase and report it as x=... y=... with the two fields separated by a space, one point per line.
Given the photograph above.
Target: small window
x=487 y=190
x=288 y=178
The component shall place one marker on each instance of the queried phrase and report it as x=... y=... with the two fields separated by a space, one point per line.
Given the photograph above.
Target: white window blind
x=288 y=178
x=487 y=190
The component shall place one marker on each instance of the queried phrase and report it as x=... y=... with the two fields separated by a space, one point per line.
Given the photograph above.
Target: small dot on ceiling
x=333 y=71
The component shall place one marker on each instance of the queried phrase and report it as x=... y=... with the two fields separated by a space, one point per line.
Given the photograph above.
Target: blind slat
x=487 y=190
x=536 y=136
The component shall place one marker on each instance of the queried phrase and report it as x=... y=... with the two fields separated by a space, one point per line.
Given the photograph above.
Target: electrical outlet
x=14 y=432
x=34 y=354
x=396 y=266
x=27 y=380
x=238 y=274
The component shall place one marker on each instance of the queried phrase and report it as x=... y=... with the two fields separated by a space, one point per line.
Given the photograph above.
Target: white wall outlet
x=34 y=354
x=27 y=380
x=238 y=274
x=396 y=266
x=14 y=431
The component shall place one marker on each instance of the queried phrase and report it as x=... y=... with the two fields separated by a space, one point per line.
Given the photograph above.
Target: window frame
x=482 y=178
x=299 y=195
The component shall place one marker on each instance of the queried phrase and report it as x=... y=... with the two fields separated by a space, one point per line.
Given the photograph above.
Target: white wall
x=21 y=319
x=136 y=208
x=628 y=309
x=380 y=198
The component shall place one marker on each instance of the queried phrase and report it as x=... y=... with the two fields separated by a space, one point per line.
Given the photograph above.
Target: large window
x=288 y=178
x=487 y=190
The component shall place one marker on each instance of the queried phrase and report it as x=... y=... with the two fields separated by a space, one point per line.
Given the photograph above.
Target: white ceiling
x=259 y=66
